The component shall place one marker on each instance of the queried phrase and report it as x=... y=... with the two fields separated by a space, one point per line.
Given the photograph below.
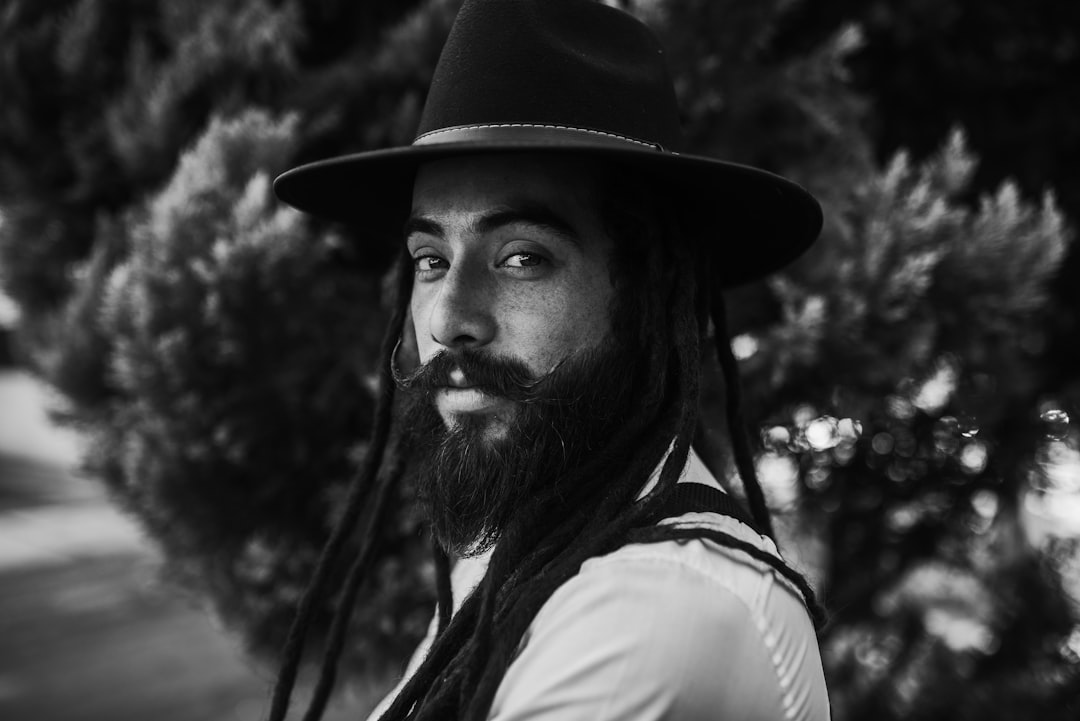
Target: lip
x=468 y=399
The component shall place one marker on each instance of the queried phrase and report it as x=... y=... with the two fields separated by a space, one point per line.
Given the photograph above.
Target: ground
x=87 y=630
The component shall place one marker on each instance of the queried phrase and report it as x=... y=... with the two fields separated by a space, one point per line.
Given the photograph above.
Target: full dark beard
x=470 y=482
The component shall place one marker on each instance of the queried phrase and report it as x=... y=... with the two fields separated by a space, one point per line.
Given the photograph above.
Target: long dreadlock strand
x=444 y=649
x=359 y=491
x=687 y=352
x=711 y=456
x=657 y=534
x=740 y=444
x=358 y=572
x=444 y=593
x=495 y=578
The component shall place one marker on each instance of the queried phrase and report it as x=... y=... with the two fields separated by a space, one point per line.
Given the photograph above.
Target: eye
x=427 y=266
x=524 y=260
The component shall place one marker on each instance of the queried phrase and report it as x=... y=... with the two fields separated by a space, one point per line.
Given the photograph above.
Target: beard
x=470 y=482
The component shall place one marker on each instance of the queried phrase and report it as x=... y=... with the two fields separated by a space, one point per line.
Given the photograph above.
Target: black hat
x=572 y=77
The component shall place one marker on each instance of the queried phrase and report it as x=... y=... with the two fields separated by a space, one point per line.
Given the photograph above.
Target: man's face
x=522 y=379
x=511 y=260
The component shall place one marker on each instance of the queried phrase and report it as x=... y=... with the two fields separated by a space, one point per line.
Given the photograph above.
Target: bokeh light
x=744 y=346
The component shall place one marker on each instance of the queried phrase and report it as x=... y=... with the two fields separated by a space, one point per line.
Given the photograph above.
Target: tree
x=158 y=288
x=1004 y=71
x=897 y=373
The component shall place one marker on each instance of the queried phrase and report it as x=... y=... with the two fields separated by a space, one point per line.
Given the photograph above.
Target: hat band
x=530 y=133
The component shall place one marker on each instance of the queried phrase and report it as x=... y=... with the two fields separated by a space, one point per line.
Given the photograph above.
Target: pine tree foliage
x=240 y=356
x=223 y=56
x=908 y=273
x=895 y=373
x=215 y=349
x=101 y=96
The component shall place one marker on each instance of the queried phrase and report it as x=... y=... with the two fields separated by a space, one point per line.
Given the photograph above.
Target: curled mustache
x=497 y=375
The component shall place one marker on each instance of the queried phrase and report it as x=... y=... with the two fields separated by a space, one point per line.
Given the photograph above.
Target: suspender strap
x=699 y=498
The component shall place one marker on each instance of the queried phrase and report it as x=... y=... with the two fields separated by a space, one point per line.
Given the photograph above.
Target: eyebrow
x=420 y=224
x=529 y=213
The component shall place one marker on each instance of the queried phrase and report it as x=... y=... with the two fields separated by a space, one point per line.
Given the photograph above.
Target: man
x=560 y=269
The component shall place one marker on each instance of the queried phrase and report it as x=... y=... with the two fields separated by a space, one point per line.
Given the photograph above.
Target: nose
x=462 y=312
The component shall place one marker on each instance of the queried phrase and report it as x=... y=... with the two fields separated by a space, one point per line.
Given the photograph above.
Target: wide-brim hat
x=575 y=78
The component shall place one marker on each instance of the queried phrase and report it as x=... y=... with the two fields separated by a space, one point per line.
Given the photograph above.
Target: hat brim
x=754 y=222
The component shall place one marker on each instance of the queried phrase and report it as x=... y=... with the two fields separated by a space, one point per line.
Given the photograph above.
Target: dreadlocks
x=368 y=491
x=663 y=306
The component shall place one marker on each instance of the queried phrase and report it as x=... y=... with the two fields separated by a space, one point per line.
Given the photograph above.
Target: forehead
x=472 y=184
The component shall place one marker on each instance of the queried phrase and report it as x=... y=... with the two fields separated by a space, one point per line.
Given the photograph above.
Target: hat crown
x=555 y=63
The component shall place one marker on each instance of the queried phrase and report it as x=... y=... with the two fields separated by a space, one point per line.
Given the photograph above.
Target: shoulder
x=666 y=630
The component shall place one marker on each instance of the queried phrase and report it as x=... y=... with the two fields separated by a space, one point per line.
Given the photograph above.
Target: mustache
x=493 y=374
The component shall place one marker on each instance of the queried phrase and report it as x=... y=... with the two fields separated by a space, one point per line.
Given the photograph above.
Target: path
x=87 y=632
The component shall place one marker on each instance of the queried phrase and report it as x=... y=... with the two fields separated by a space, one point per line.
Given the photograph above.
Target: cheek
x=592 y=303
x=545 y=329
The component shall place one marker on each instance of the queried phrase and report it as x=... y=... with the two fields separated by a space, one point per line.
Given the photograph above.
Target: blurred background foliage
x=913 y=377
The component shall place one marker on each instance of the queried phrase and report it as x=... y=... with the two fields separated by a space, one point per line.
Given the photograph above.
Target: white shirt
x=681 y=630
